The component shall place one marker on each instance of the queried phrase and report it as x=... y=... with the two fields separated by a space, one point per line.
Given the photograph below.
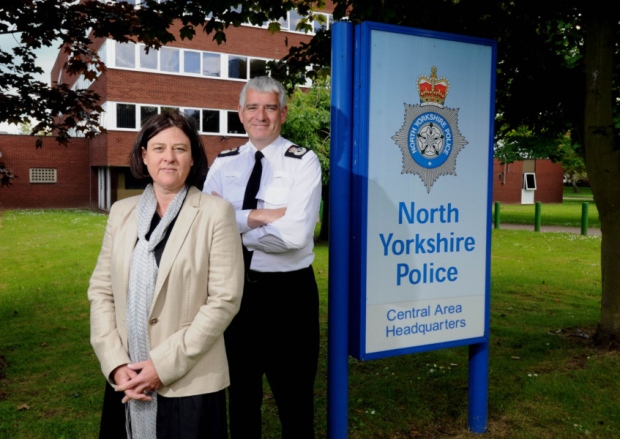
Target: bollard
x=496 y=216
x=584 y=218
x=537 y=216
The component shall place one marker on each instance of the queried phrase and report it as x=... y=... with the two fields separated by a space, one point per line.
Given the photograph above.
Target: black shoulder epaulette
x=229 y=152
x=296 y=152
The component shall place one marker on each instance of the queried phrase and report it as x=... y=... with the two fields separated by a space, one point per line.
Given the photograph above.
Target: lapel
x=130 y=236
x=178 y=236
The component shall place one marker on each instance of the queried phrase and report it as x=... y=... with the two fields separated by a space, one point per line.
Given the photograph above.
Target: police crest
x=430 y=138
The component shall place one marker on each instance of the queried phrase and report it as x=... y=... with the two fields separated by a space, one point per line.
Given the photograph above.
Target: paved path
x=591 y=231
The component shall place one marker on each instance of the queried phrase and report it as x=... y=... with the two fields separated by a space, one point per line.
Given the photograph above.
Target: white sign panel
x=423 y=185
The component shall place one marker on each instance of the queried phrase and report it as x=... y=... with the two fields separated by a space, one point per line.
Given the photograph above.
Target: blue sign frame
x=438 y=49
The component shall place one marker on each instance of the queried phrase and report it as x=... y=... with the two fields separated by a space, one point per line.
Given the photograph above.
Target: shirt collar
x=270 y=149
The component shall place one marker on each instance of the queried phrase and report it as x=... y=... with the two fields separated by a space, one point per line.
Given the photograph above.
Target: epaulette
x=229 y=152
x=296 y=152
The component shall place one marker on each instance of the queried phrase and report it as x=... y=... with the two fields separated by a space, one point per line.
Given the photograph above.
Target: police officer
x=275 y=187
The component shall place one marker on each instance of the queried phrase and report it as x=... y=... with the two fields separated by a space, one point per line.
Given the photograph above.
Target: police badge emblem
x=430 y=138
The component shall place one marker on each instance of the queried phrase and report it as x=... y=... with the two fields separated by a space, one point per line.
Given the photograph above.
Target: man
x=276 y=332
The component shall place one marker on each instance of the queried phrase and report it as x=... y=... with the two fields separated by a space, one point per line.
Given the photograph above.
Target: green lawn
x=582 y=193
x=546 y=379
x=567 y=213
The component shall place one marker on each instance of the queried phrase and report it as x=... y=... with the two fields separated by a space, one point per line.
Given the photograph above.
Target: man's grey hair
x=264 y=84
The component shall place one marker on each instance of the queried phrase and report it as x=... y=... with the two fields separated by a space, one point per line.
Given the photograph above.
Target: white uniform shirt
x=292 y=182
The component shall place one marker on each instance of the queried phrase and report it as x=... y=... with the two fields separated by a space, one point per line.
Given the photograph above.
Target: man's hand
x=260 y=217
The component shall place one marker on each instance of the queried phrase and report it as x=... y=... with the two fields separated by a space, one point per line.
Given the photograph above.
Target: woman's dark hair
x=155 y=125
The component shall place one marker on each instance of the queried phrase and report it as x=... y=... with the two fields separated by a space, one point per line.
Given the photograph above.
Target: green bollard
x=584 y=218
x=496 y=216
x=537 y=216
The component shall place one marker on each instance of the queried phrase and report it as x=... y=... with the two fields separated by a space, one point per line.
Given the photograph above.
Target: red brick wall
x=507 y=182
x=173 y=90
x=245 y=40
x=549 y=182
x=71 y=163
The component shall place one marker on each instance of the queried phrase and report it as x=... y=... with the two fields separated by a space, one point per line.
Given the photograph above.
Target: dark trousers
x=189 y=417
x=276 y=334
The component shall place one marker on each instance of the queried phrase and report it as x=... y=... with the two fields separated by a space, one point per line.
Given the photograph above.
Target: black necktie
x=249 y=199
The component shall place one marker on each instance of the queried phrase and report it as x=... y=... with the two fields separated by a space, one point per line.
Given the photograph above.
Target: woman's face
x=168 y=158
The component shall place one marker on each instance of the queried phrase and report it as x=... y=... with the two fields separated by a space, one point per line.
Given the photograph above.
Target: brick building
x=198 y=76
x=528 y=181
x=53 y=176
x=203 y=79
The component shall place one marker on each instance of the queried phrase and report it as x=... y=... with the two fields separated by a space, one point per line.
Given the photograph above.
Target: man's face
x=262 y=117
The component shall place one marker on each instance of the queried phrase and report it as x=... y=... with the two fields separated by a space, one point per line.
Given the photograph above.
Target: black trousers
x=189 y=417
x=276 y=334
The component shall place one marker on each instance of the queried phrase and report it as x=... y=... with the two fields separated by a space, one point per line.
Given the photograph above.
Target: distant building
x=53 y=176
x=198 y=76
x=528 y=181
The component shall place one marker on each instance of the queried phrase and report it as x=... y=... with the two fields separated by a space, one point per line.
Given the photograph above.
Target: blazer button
x=153 y=321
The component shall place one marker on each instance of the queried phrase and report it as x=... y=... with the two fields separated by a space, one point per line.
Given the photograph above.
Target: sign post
x=418 y=276
x=339 y=232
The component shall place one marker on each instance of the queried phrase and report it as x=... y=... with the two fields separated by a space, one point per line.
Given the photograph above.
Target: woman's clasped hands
x=137 y=380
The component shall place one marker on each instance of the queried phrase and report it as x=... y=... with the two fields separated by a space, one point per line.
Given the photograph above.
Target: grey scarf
x=142 y=416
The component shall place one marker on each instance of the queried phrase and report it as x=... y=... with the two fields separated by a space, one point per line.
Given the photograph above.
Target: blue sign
x=421 y=189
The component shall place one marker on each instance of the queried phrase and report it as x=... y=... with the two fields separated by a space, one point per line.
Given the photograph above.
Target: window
x=146 y=112
x=234 y=124
x=193 y=113
x=168 y=109
x=125 y=116
x=207 y=121
x=210 y=121
x=191 y=62
x=283 y=22
x=148 y=60
x=42 y=175
x=211 y=64
x=317 y=26
x=237 y=67
x=258 y=67
x=125 y=55
x=169 y=59
x=529 y=181
x=295 y=19
x=322 y=21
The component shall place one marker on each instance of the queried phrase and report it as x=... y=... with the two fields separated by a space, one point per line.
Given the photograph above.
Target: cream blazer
x=198 y=292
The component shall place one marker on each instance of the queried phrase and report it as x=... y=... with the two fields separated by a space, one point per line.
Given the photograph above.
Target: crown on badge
x=433 y=90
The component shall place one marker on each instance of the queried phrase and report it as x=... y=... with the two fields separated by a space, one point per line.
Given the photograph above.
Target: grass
x=48 y=387
x=582 y=193
x=546 y=379
x=568 y=213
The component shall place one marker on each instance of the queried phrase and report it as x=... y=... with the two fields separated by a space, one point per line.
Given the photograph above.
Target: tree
x=522 y=143
x=65 y=23
x=308 y=125
x=6 y=176
x=570 y=154
x=557 y=73
x=25 y=128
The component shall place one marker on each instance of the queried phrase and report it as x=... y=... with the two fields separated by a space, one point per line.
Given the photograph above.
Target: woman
x=167 y=283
